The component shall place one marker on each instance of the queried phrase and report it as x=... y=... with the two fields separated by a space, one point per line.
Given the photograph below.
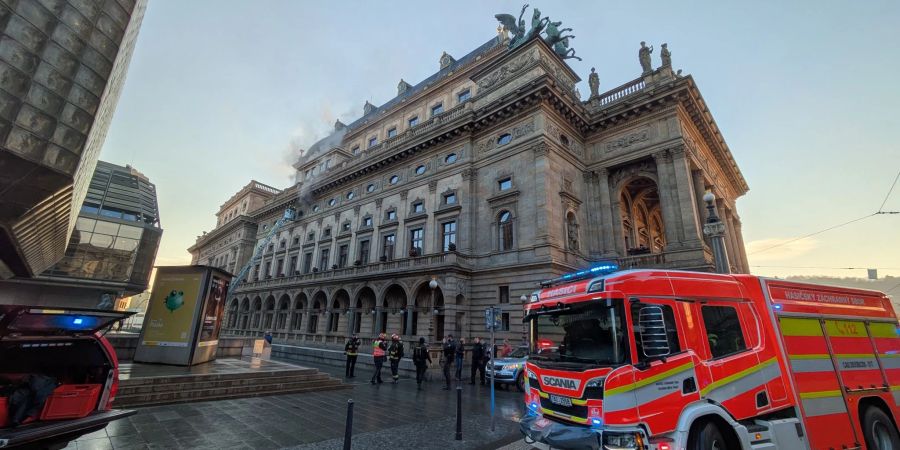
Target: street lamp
x=714 y=229
x=433 y=284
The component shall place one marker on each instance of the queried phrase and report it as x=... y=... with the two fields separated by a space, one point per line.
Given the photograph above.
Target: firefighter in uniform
x=395 y=353
x=448 y=354
x=351 y=350
x=378 y=349
x=421 y=359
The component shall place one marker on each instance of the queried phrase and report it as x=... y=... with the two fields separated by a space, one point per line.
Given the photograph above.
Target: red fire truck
x=664 y=360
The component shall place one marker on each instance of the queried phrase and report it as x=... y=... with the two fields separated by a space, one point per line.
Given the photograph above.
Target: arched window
x=505 y=226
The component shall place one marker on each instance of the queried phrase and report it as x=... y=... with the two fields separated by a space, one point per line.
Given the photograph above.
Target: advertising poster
x=213 y=311
x=170 y=312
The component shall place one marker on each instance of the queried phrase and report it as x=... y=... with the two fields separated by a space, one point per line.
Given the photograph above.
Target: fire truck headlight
x=622 y=441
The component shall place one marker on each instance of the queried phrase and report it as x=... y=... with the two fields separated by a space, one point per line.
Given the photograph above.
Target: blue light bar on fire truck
x=595 y=271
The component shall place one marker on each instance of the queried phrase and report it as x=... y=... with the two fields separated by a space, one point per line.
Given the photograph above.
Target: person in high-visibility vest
x=378 y=349
x=351 y=350
x=395 y=353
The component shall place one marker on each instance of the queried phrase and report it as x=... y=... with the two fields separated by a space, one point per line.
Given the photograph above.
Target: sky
x=220 y=92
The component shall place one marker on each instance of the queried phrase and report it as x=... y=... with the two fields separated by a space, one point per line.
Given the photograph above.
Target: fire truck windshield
x=590 y=334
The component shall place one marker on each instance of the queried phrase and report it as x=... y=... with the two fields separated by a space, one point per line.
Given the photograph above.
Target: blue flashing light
x=602 y=269
x=779 y=306
x=77 y=321
x=533 y=406
x=596 y=422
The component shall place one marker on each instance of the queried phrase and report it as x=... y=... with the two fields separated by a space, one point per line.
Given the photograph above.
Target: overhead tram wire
x=880 y=211
x=881 y=208
x=825 y=268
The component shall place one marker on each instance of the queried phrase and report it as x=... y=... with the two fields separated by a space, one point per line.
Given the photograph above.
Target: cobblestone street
x=385 y=416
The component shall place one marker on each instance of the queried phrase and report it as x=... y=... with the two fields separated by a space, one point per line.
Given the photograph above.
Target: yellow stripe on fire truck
x=647 y=390
x=822 y=403
x=742 y=382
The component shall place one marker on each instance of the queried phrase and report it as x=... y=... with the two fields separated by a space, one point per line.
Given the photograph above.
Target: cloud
x=779 y=249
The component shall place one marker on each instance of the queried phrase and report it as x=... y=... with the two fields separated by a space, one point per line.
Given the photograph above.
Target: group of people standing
x=452 y=356
x=453 y=353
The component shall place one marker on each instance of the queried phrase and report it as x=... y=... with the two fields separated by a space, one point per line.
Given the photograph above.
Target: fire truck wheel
x=707 y=437
x=879 y=430
x=520 y=382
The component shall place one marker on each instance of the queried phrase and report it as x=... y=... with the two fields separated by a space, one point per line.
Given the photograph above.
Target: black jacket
x=477 y=353
x=395 y=351
x=449 y=350
x=420 y=354
x=351 y=348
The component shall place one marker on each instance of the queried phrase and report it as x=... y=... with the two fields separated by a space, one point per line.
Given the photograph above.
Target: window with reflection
x=505 y=226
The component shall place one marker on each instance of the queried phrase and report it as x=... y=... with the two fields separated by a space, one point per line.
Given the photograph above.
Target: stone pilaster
x=684 y=192
x=466 y=227
x=667 y=201
x=541 y=196
x=593 y=228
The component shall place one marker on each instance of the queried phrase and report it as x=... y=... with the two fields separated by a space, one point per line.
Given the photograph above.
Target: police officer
x=351 y=350
x=448 y=354
x=421 y=359
x=395 y=353
x=477 y=360
x=378 y=349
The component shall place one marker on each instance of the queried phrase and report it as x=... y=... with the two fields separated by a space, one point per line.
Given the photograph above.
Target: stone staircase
x=157 y=390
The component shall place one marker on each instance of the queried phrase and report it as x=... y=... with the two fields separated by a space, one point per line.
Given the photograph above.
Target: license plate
x=560 y=400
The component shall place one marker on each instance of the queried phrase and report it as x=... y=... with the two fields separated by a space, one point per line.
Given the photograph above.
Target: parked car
x=510 y=369
x=58 y=364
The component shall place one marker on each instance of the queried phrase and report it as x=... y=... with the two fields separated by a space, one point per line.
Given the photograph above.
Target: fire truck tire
x=707 y=437
x=879 y=430
x=520 y=381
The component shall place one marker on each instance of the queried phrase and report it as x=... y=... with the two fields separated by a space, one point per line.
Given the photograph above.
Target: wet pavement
x=385 y=416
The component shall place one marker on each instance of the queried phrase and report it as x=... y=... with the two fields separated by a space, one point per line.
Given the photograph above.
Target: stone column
x=684 y=192
x=699 y=190
x=378 y=319
x=668 y=202
x=410 y=306
x=729 y=241
x=736 y=256
x=351 y=321
x=608 y=232
x=740 y=240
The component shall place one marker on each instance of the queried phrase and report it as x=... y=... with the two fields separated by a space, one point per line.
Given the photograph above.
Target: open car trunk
x=63 y=351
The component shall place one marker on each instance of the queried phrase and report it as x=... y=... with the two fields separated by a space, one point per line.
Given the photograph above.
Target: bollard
x=348 y=430
x=459 y=413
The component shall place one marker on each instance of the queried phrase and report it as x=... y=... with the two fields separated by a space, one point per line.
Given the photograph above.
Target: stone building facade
x=230 y=244
x=486 y=178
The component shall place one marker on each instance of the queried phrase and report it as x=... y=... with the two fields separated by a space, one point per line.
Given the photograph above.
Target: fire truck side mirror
x=654 y=334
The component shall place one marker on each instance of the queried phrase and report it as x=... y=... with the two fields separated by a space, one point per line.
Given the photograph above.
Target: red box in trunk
x=4 y=412
x=71 y=401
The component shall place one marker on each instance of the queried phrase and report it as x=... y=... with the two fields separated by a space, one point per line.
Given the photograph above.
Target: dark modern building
x=62 y=67
x=112 y=249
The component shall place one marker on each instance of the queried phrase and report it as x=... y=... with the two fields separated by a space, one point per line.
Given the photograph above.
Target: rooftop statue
x=519 y=32
x=644 y=57
x=558 y=42
x=594 y=82
x=666 y=56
